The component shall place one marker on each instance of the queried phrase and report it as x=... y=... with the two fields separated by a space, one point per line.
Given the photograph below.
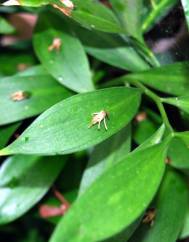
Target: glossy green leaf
x=94 y=15
x=185 y=230
x=173 y=79
x=6 y=132
x=183 y=136
x=107 y=214
x=5 y=27
x=185 y=4
x=159 y=8
x=23 y=182
x=66 y=124
x=105 y=155
x=28 y=3
x=180 y=102
x=88 y=13
x=129 y=13
x=156 y=138
x=38 y=88
x=33 y=71
x=111 y=49
x=69 y=65
x=178 y=154
x=170 y=206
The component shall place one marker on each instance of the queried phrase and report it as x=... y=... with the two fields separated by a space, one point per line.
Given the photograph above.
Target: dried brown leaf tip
x=56 y=44
x=67 y=10
x=19 y=96
x=149 y=216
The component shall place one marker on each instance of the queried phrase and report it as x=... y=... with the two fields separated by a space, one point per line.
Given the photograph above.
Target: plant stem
x=157 y=100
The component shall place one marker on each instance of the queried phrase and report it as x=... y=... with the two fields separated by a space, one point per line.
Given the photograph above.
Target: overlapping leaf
x=23 y=182
x=173 y=79
x=126 y=181
x=64 y=128
x=68 y=64
x=170 y=208
x=40 y=90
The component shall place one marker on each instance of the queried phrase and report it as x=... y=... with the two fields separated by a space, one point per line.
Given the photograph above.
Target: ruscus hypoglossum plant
x=94 y=120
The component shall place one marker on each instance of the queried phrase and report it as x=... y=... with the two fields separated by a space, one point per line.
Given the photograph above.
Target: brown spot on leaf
x=56 y=44
x=19 y=96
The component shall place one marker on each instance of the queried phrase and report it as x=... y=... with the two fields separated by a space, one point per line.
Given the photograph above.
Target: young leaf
x=105 y=155
x=170 y=208
x=111 y=49
x=178 y=154
x=129 y=13
x=23 y=182
x=185 y=5
x=115 y=199
x=66 y=124
x=67 y=62
x=171 y=79
x=33 y=91
x=180 y=102
x=159 y=9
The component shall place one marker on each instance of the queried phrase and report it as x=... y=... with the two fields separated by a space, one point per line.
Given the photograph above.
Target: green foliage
x=87 y=65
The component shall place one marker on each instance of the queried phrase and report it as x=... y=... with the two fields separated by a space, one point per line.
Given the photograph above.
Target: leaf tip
x=11 y=3
x=4 y=152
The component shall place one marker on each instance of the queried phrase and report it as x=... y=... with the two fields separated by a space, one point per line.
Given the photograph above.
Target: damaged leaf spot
x=19 y=95
x=56 y=44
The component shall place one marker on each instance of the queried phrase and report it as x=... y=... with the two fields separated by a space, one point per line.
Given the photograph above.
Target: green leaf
x=111 y=49
x=66 y=124
x=33 y=71
x=115 y=199
x=6 y=132
x=180 y=102
x=170 y=206
x=183 y=136
x=185 y=5
x=94 y=15
x=11 y=62
x=69 y=64
x=5 y=27
x=178 y=154
x=159 y=8
x=88 y=13
x=23 y=182
x=129 y=13
x=38 y=89
x=171 y=79
x=156 y=138
x=185 y=230
x=105 y=155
